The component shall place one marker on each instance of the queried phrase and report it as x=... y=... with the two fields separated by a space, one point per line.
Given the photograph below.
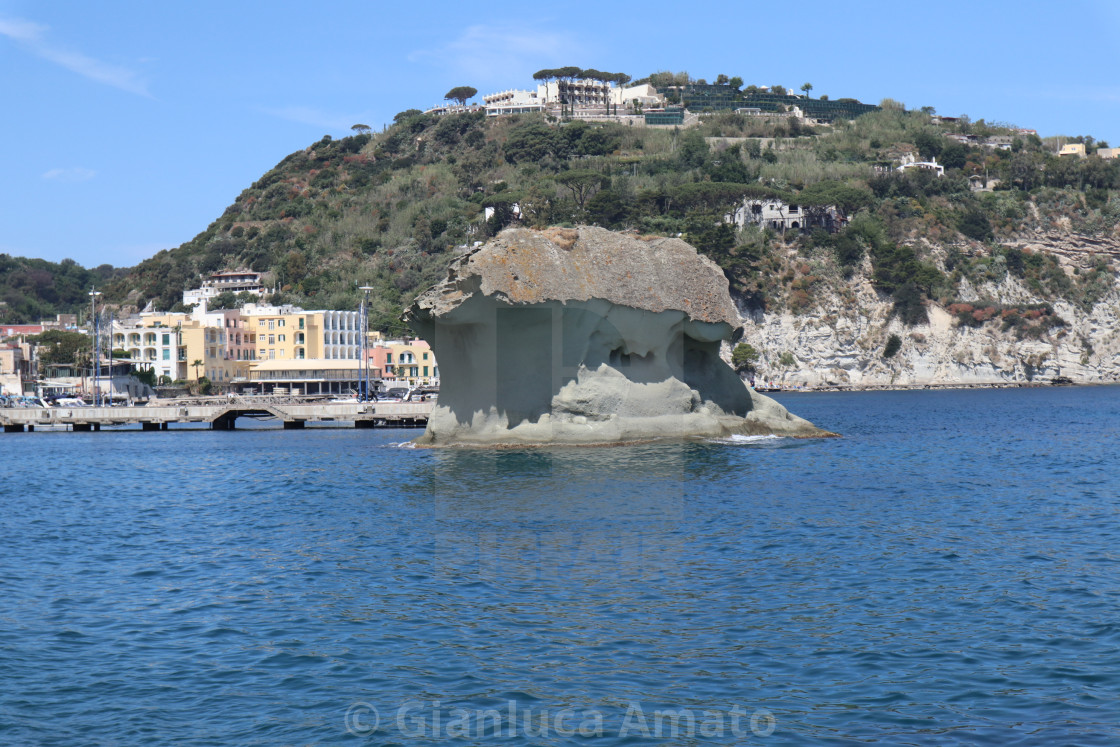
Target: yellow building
x=290 y=333
x=411 y=362
x=1108 y=153
x=1073 y=149
x=219 y=345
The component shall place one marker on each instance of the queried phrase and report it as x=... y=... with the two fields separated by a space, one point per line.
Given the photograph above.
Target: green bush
x=894 y=344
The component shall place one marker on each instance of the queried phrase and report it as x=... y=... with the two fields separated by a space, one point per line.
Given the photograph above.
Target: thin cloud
x=70 y=176
x=492 y=53
x=32 y=37
x=316 y=117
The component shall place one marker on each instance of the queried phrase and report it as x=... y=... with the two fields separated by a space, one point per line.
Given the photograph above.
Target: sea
x=945 y=573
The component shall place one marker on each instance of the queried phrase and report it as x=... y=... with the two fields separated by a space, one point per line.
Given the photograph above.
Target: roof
x=307 y=364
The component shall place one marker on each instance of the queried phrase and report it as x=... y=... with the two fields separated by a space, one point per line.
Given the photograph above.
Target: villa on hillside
x=234 y=281
x=910 y=161
x=781 y=216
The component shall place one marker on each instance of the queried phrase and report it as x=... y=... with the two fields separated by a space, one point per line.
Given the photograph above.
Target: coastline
x=932 y=386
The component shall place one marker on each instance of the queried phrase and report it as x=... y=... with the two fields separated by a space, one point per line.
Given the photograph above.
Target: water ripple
x=943 y=574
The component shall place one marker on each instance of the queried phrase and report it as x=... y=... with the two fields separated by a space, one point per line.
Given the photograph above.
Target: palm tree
x=806 y=88
x=197 y=364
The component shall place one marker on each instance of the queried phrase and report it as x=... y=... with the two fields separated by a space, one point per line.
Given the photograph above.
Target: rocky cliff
x=998 y=332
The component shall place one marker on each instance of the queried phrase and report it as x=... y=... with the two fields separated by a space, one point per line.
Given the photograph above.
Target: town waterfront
x=945 y=573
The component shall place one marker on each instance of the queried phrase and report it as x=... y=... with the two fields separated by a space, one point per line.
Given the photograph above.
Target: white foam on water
x=402 y=445
x=738 y=440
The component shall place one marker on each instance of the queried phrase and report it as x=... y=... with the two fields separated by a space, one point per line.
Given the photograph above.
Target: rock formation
x=585 y=336
x=841 y=342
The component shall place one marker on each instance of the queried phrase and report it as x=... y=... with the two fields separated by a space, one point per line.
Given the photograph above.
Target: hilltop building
x=581 y=97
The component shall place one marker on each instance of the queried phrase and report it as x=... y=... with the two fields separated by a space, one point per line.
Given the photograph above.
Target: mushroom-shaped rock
x=586 y=336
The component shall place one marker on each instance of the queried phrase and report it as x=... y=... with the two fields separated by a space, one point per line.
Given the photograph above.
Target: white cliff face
x=843 y=344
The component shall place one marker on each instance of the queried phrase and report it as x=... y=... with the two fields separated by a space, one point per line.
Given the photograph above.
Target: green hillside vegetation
x=34 y=289
x=391 y=209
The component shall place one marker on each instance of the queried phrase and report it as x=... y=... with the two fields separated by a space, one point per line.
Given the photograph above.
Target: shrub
x=894 y=344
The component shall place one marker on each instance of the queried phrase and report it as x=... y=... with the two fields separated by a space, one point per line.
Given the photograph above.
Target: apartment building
x=289 y=332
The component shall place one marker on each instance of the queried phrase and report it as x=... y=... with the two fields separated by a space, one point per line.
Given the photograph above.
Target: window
x=167 y=339
x=388 y=357
x=260 y=322
x=280 y=323
x=272 y=355
x=261 y=353
x=167 y=354
x=425 y=358
x=272 y=339
x=425 y=370
x=301 y=322
x=282 y=338
x=299 y=353
x=283 y=352
x=299 y=338
x=271 y=324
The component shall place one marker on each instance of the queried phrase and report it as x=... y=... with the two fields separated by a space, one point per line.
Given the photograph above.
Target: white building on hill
x=234 y=281
x=584 y=96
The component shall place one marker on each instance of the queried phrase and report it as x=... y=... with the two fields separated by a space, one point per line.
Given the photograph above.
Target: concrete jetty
x=219 y=415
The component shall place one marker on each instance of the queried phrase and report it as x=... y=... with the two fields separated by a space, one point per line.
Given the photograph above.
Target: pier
x=294 y=413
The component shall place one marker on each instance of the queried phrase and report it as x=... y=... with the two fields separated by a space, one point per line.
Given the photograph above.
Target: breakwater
x=221 y=415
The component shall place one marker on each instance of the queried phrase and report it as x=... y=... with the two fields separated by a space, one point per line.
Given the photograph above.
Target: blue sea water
x=946 y=573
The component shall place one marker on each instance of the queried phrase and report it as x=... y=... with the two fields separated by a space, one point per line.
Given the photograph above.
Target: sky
x=127 y=127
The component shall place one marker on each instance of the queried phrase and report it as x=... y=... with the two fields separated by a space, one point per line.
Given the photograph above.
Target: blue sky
x=127 y=127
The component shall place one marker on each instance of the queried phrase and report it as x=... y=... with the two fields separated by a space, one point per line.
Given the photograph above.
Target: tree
x=620 y=79
x=806 y=87
x=722 y=80
x=361 y=129
x=406 y=114
x=567 y=75
x=894 y=344
x=743 y=358
x=928 y=144
x=196 y=364
x=778 y=90
x=145 y=376
x=736 y=82
x=61 y=346
x=460 y=94
x=582 y=182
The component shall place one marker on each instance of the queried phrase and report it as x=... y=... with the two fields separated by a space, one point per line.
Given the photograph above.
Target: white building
x=581 y=96
x=234 y=281
x=909 y=161
x=513 y=101
x=782 y=216
x=151 y=347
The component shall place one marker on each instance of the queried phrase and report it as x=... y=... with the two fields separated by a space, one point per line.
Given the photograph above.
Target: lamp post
x=93 y=294
x=363 y=387
x=109 y=337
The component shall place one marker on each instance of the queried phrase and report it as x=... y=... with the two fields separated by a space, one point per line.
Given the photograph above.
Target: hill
x=390 y=209
x=34 y=289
